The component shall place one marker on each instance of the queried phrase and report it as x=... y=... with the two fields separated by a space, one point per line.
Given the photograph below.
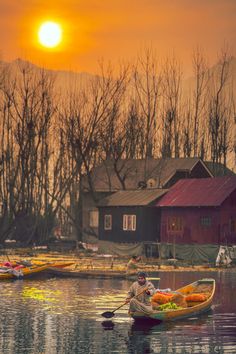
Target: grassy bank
x=85 y=260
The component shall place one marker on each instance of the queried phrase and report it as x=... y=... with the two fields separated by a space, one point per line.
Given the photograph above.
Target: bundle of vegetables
x=196 y=297
x=179 y=299
x=169 y=306
x=161 y=298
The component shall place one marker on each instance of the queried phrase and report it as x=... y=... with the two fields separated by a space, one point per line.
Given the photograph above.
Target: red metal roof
x=199 y=192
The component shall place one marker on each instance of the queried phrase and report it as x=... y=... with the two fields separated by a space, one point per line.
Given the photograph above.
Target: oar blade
x=108 y=314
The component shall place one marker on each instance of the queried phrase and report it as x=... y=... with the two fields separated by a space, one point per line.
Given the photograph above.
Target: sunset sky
x=115 y=30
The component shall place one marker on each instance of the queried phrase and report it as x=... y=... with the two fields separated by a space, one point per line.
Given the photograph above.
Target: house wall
x=219 y=232
x=228 y=220
x=193 y=232
x=147 y=224
x=199 y=171
x=88 y=205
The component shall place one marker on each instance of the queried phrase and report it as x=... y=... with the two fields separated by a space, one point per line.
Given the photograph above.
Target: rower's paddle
x=110 y=314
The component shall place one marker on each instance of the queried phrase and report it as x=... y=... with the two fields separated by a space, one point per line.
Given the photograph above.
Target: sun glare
x=50 y=34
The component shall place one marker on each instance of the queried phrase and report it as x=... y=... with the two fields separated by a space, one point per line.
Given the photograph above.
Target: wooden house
x=199 y=211
x=112 y=176
x=130 y=216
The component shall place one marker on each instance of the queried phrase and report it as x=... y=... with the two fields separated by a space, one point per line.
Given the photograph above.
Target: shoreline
x=96 y=263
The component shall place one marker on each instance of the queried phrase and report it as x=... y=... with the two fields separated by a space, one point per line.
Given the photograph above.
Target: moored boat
x=74 y=273
x=198 y=297
x=61 y=264
x=21 y=273
x=54 y=264
x=103 y=274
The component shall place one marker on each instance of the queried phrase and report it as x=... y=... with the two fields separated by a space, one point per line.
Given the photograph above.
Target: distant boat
x=202 y=290
x=21 y=273
x=54 y=264
x=104 y=274
x=75 y=273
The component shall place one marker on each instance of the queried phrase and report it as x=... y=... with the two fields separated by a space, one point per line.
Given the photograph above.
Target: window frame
x=129 y=222
x=205 y=221
x=96 y=223
x=106 y=222
x=175 y=224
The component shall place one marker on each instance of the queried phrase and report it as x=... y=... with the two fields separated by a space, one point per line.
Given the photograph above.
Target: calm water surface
x=64 y=316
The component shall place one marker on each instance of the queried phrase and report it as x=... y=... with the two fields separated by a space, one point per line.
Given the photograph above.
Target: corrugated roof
x=133 y=198
x=134 y=171
x=199 y=192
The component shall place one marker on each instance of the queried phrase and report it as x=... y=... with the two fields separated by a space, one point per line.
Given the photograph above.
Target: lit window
x=107 y=222
x=205 y=221
x=174 y=224
x=129 y=222
x=93 y=218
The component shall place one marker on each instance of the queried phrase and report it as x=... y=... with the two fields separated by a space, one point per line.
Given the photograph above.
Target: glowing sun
x=50 y=34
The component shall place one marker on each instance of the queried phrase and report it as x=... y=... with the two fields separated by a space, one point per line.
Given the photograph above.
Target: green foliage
x=169 y=306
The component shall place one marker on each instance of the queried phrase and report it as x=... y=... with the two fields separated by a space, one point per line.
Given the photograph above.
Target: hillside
x=188 y=84
x=71 y=79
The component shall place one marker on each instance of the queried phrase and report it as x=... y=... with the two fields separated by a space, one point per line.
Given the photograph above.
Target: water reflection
x=108 y=325
x=64 y=316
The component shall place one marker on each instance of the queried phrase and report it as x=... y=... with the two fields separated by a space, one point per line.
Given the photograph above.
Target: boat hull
x=24 y=272
x=97 y=274
x=89 y=274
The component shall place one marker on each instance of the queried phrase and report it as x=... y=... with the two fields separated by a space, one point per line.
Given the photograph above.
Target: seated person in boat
x=140 y=293
x=133 y=264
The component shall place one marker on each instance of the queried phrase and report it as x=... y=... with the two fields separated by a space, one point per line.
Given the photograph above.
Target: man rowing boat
x=139 y=293
x=138 y=296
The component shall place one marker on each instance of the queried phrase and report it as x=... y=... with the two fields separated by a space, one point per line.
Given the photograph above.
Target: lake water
x=64 y=316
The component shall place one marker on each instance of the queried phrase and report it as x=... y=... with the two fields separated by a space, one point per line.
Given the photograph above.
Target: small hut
x=130 y=216
x=199 y=211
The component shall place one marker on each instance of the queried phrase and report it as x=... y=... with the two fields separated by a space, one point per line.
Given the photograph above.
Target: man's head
x=142 y=278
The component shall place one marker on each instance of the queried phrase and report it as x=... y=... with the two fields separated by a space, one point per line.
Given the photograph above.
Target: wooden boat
x=194 y=308
x=105 y=274
x=30 y=263
x=62 y=272
x=54 y=264
x=61 y=264
x=22 y=273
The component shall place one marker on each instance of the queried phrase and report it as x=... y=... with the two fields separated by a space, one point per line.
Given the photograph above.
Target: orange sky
x=115 y=29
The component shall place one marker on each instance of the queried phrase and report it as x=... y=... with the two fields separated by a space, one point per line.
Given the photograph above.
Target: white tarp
x=223 y=258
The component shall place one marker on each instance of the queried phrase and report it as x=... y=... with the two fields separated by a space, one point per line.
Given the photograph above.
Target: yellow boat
x=194 y=308
x=54 y=264
x=22 y=273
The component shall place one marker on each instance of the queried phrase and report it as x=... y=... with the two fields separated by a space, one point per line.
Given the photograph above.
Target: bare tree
x=220 y=114
x=186 y=132
x=147 y=85
x=172 y=76
x=199 y=98
x=90 y=125
x=27 y=113
x=134 y=134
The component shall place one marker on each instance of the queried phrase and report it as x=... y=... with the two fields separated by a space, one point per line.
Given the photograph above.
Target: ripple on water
x=64 y=316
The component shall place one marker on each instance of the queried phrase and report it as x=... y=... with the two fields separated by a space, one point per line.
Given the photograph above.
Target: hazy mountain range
x=65 y=80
